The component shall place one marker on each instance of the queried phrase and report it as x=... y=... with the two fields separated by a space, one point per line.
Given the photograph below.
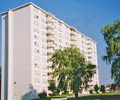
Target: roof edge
x=30 y=3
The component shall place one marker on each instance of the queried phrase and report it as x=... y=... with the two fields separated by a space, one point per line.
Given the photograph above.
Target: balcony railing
x=50 y=32
x=73 y=43
x=50 y=51
x=50 y=19
x=73 y=38
x=50 y=26
x=50 y=45
x=50 y=38
x=72 y=33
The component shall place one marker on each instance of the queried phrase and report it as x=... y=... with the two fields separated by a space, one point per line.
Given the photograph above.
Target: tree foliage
x=71 y=70
x=96 y=88
x=43 y=94
x=111 y=35
x=112 y=88
x=102 y=89
x=52 y=87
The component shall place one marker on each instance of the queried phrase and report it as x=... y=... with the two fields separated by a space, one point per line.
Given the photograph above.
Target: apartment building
x=29 y=37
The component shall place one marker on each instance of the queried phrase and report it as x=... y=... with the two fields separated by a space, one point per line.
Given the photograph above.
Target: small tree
x=102 y=89
x=91 y=91
x=43 y=94
x=96 y=88
x=112 y=88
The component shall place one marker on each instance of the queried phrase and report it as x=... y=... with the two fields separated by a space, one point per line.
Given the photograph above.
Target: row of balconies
x=50 y=40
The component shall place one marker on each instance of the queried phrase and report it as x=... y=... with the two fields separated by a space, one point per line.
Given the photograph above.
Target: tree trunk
x=76 y=94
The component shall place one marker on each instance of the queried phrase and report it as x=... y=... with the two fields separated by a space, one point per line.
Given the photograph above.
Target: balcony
x=50 y=26
x=73 y=43
x=50 y=51
x=49 y=57
x=50 y=38
x=89 y=53
x=50 y=45
x=49 y=19
x=73 y=38
x=73 y=33
x=49 y=64
x=50 y=32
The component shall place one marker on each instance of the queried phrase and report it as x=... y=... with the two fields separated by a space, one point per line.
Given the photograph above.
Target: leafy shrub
x=42 y=94
x=96 y=88
x=102 y=89
x=91 y=91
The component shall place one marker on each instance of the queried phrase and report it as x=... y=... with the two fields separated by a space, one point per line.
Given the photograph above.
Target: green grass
x=103 y=96
x=59 y=96
x=48 y=98
x=62 y=96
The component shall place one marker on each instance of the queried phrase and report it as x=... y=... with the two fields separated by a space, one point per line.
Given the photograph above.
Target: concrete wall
x=4 y=57
x=21 y=52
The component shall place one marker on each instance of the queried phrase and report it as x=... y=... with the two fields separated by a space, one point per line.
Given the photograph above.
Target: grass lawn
x=62 y=96
x=48 y=98
x=103 y=96
x=59 y=96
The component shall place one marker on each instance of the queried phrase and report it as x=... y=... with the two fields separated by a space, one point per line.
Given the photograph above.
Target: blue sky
x=88 y=16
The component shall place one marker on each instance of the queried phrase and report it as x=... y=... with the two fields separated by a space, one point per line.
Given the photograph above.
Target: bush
x=96 y=88
x=102 y=89
x=42 y=94
x=91 y=91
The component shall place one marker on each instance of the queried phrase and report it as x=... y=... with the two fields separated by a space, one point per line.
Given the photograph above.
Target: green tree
x=111 y=35
x=71 y=70
x=52 y=86
x=112 y=88
x=96 y=88
x=102 y=89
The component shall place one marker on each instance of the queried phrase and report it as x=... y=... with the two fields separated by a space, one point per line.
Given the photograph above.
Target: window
x=44 y=53
x=37 y=51
x=60 y=40
x=36 y=58
x=36 y=65
x=36 y=30
x=43 y=20
x=36 y=36
x=36 y=23
x=60 y=46
x=43 y=39
x=36 y=43
x=44 y=46
x=36 y=16
x=59 y=23
x=43 y=26
x=43 y=33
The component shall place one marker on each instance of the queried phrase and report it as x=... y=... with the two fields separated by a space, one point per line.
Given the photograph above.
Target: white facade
x=29 y=37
